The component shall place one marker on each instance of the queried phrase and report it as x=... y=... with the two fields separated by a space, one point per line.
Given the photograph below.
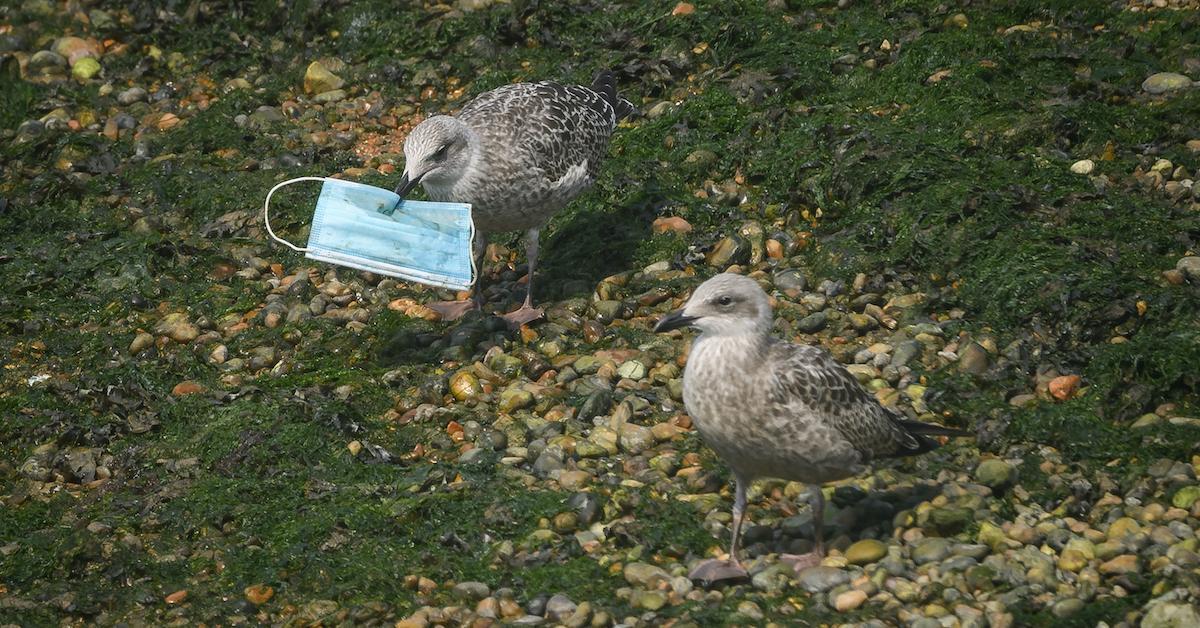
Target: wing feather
x=809 y=379
x=554 y=128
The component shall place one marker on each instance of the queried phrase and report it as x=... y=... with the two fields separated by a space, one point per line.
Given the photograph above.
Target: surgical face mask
x=370 y=228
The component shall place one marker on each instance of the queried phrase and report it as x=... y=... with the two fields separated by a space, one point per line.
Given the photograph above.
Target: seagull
x=771 y=408
x=517 y=154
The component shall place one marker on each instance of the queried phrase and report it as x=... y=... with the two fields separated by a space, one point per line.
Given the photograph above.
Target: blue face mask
x=370 y=228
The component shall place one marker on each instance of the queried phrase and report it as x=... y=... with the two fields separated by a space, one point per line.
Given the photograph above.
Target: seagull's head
x=726 y=305
x=437 y=152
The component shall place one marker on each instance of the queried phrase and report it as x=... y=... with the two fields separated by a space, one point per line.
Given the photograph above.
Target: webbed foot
x=525 y=314
x=716 y=571
x=800 y=562
x=453 y=310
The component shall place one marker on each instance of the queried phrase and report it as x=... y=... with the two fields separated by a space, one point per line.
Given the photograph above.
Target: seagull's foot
x=800 y=562
x=526 y=314
x=453 y=310
x=716 y=571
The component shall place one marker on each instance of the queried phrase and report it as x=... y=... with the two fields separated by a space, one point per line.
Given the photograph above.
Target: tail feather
x=930 y=429
x=605 y=84
x=922 y=436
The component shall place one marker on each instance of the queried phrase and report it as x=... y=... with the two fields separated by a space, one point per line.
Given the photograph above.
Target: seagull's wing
x=809 y=379
x=552 y=128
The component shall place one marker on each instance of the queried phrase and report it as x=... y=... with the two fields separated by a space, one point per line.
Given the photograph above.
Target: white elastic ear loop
x=474 y=271
x=267 y=216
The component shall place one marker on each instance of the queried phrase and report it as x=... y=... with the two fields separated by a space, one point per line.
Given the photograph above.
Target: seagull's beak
x=674 y=320
x=406 y=185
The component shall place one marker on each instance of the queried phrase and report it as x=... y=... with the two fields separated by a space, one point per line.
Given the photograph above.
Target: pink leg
x=714 y=570
x=800 y=562
x=527 y=313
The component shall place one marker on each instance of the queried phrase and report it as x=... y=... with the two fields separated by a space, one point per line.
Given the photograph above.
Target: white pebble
x=1083 y=166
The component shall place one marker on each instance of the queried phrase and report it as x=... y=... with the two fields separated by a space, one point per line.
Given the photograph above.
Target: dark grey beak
x=405 y=186
x=674 y=320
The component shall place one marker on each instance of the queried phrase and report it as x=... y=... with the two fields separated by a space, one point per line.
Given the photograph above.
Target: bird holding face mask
x=517 y=154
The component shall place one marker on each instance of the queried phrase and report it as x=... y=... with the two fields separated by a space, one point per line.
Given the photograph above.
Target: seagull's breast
x=726 y=394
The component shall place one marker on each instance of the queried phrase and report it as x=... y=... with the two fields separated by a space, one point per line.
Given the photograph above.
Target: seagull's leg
x=527 y=312
x=800 y=562
x=716 y=570
x=453 y=310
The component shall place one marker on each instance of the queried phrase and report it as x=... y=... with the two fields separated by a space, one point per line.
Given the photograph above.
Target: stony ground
x=987 y=209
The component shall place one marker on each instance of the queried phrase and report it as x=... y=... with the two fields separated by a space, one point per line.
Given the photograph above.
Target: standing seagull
x=774 y=409
x=517 y=154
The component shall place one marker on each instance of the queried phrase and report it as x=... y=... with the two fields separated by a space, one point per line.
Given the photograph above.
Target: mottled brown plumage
x=775 y=409
x=517 y=154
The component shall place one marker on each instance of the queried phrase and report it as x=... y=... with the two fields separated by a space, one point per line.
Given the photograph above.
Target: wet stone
x=644 y=575
x=821 y=578
x=513 y=399
x=586 y=507
x=995 y=473
x=812 y=323
x=129 y=96
x=1190 y=267
x=865 y=551
x=635 y=438
x=47 y=62
x=973 y=359
x=649 y=600
x=472 y=591
x=931 y=550
x=730 y=250
x=773 y=579
x=1171 y=615
x=559 y=607
x=790 y=282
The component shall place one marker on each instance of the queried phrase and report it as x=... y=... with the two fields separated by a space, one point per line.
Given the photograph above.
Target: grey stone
x=820 y=578
x=812 y=323
x=470 y=590
x=931 y=550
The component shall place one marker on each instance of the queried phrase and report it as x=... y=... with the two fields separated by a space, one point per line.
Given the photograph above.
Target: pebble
x=132 y=95
x=472 y=591
x=1083 y=166
x=635 y=439
x=931 y=550
x=559 y=607
x=812 y=323
x=318 y=79
x=865 y=552
x=995 y=473
x=141 y=342
x=1189 y=267
x=177 y=327
x=1064 y=386
x=1171 y=615
x=973 y=359
x=849 y=600
x=671 y=224
x=644 y=575
x=1165 y=82
x=1123 y=564
x=258 y=594
x=820 y=578
x=649 y=600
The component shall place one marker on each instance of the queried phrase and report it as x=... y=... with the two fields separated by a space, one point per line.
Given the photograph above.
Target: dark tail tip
x=605 y=84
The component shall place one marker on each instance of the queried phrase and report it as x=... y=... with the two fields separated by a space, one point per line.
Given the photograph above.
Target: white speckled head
x=437 y=153
x=726 y=305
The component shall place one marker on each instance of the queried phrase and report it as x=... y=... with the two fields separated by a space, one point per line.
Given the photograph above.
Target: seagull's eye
x=440 y=153
x=726 y=300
